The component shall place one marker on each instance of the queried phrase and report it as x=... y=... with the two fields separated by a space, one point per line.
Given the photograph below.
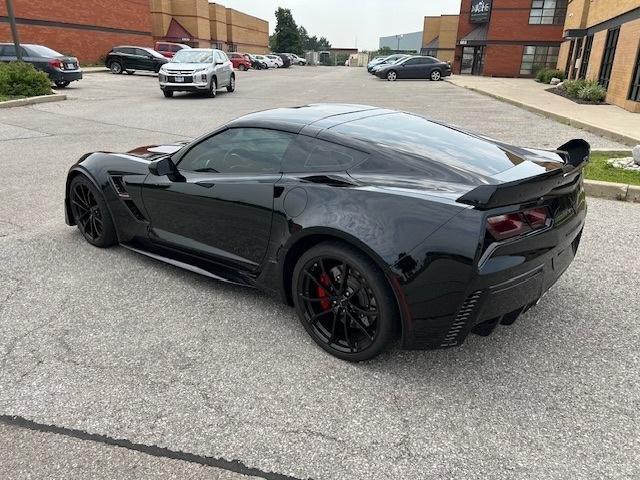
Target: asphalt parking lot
x=105 y=346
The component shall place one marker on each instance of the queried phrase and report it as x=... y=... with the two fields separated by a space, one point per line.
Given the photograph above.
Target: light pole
x=14 y=29
x=398 y=38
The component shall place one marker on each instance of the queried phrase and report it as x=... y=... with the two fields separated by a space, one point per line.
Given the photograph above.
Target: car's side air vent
x=135 y=211
x=465 y=314
x=118 y=185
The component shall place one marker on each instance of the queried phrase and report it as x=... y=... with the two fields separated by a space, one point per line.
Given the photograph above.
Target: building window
x=548 y=12
x=608 y=56
x=232 y=47
x=634 y=92
x=584 y=63
x=216 y=45
x=536 y=57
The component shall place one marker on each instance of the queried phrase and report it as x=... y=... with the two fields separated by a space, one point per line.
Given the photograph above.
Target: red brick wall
x=87 y=45
x=509 y=31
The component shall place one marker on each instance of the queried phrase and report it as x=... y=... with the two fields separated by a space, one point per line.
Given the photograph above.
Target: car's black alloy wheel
x=167 y=93
x=344 y=301
x=435 y=75
x=392 y=76
x=91 y=214
x=232 y=84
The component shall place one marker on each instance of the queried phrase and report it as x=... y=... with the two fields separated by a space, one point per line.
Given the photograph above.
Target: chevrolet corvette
x=373 y=224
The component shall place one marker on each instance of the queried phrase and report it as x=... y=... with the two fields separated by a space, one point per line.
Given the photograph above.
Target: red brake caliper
x=322 y=293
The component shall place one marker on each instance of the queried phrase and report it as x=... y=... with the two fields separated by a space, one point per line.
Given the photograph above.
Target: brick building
x=439 y=37
x=508 y=38
x=202 y=24
x=602 y=42
x=87 y=29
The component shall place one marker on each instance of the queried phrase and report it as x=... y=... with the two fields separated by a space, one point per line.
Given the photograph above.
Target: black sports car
x=371 y=222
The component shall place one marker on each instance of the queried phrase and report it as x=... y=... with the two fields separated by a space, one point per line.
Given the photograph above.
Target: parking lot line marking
x=230 y=465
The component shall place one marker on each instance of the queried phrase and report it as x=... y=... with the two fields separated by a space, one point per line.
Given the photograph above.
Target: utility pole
x=14 y=29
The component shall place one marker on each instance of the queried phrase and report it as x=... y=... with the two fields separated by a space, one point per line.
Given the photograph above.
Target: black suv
x=62 y=70
x=129 y=59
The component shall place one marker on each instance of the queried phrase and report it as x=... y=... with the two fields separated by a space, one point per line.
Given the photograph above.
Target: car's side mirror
x=162 y=167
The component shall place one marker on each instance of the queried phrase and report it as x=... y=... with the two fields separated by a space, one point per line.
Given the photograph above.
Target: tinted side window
x=412 y=61
x=141 y=52
x=10 y=51
x=239 y=150
x=313 y=155
x=129 y=51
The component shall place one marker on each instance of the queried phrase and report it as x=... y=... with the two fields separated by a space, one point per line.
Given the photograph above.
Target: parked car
x=129 y=59
x=415 y=67
x=372 y=67
x=240 y=61
x=266 y=61
x=286 y=60
x=168 y=49
x=61 y=69
x=372 y=223
x=197 y=70
x=276 y=59
x=256 y=62
x=298 y=60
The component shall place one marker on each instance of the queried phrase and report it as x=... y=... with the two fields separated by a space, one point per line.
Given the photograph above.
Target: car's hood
x=174 y=66
x=151 y=152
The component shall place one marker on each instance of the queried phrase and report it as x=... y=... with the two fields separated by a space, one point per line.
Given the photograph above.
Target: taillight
x=55 y=63
x=511 y=225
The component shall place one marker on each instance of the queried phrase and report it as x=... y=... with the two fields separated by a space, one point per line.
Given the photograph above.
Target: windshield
x=193 y=56
x=397 y=60
x=41 y=51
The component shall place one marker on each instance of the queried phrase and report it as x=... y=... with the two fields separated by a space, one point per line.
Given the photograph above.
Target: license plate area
x=178 y=79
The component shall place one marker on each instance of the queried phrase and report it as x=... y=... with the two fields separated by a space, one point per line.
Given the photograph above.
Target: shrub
x=572 y=87
x=545 y=75
x=18 y=79
x=592 y=91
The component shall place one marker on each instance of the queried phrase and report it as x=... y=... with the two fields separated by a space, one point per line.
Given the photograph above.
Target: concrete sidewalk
x=606 y=120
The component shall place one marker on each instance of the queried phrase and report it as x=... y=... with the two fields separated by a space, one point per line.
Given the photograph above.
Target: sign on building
x=480 y=11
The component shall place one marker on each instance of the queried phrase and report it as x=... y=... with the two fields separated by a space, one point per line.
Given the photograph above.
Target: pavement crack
x=231 y=465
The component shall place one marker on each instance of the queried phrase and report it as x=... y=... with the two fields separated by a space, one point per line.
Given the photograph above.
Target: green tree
x=287 y=36
x=385 y=52
x=324 y=44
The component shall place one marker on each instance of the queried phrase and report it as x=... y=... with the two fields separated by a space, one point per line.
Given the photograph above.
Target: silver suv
x=197 y=70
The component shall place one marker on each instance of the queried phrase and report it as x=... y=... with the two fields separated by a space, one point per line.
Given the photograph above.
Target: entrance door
x=472 y=60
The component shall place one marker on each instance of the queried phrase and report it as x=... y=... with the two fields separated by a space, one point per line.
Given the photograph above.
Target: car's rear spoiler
x=576 y=154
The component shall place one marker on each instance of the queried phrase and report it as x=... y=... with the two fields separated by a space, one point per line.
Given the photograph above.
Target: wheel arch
x=73 y=173
x=313 y=236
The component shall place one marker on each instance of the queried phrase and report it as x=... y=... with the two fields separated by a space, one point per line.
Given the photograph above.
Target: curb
x=612 y=191
x=560 y=118
x=55 y=97
x=95 y=70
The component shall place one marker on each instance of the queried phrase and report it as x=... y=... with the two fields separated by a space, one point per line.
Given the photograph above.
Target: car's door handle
x=206 y=184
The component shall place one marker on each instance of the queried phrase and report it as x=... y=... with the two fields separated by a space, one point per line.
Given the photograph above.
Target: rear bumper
x=446 y=297
x=65 y=75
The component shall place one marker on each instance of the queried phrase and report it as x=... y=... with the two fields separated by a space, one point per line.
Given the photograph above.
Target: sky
x=345 y=22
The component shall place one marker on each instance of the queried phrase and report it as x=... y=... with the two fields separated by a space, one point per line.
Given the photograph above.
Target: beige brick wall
x=448 y=31
x=249 y=34
x=623 y=65
x=577 y=12
x=430 y=30
x=601 y=10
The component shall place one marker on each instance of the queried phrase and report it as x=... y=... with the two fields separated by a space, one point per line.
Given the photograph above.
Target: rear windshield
x=41 y=51
x=422 y=139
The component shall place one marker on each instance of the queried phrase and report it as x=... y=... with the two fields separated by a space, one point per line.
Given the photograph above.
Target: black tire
x=232 y=84
x=129 y=72
x=392 y=75
x=213 y=87
x=329 y=316
x=116 y=67
x=167 y=93
x=435 y=75
x=91 y=214
x=61 y=83
x=242 y=68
